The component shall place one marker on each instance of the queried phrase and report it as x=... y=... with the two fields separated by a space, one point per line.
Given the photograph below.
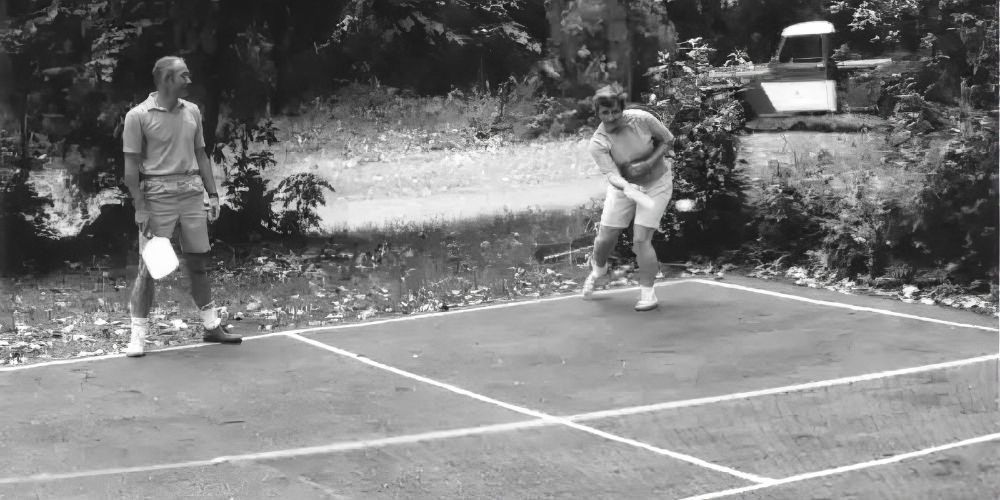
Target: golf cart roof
x=809 y=28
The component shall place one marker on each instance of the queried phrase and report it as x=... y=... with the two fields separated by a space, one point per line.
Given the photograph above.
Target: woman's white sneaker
x=591 y=282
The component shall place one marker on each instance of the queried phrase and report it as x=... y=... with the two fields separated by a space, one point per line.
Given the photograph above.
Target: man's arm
x=132 y=163
x=205 y=170
x=132 y=146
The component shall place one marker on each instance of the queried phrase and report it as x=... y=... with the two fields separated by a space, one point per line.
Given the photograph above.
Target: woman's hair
x=609 y=96
x=162 y=67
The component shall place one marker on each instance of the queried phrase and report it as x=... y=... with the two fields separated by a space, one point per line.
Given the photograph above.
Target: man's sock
x=647 y=293
x=209 y=316
x=140 y=326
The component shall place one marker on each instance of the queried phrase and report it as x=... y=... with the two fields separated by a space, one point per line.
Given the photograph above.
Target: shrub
x=956 y=212
x=705 y=170
x=786 y=222
x=252 y=199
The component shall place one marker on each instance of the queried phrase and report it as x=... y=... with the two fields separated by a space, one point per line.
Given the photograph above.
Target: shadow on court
x=727 y=385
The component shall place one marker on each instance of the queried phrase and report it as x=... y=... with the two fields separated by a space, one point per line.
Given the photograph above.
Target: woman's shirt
x=634 y=140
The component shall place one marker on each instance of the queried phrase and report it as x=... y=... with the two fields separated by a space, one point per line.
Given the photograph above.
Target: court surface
x=731 y=389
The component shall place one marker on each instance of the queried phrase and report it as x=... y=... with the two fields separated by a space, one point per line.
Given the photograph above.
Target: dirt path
x=450 y=185
x=468 y=203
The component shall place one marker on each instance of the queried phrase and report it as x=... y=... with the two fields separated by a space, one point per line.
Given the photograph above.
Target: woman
x=628 y=147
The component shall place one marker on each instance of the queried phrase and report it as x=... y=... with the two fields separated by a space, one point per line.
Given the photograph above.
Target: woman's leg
x=642 y=245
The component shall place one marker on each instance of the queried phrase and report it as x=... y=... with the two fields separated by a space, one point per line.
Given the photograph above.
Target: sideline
x=840 y=305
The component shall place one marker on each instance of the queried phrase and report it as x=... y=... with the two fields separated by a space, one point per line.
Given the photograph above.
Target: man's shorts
x=620 y=210
x=173 y=199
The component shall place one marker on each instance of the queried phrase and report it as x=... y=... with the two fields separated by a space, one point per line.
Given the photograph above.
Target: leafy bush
x=22 y=221
x=705 y=170
x=252 y=199
x=862 y=236
x=787 y=222
x=956 y=212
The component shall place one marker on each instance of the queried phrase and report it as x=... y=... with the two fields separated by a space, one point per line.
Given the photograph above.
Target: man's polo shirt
x=166 y=139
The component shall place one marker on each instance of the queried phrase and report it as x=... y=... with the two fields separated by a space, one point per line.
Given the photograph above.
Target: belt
x=169 y=177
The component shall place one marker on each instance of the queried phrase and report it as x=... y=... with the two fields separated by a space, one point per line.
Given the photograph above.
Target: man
x=167 y=172
x=628 y=147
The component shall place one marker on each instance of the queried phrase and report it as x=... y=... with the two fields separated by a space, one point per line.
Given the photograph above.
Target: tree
x=597 y=42
x=962 y=35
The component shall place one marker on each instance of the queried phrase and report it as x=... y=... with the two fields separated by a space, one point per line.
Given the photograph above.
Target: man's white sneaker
x=647 y=300
x=591 y=282
x=136 y=345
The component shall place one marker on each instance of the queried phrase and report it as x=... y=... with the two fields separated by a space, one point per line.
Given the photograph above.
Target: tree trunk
x=560 y=46
x=619 y=39
x=224 y=18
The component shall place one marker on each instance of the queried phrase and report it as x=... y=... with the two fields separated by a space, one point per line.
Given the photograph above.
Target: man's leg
x=140 y=304
x=201 y=288
x=194 y=241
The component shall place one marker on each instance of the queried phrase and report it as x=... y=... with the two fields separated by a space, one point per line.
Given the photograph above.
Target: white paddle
x=639 y=197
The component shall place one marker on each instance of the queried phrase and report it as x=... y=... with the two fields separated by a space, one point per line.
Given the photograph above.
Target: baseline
x=841 y=305
x=848 y=468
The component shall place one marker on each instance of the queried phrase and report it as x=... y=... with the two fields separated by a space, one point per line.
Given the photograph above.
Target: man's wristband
x=213 y=195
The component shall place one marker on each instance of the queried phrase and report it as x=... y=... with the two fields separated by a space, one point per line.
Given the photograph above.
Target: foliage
x=787 y=222
x=678 y=79
x=705 y=170
x=961 y=33
x=305 y=192
x=250 y=194
x=393 y=19
x=861 y=234
x=956 y=220
x=22 y=221
x=597 y=42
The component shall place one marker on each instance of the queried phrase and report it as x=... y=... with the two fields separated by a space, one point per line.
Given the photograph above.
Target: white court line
x=848 y=468
x=479 y=430
x=537 y=414
x=840 y=305
x=583 y=417
x=122 y=355
x=287 y=453
x=413 y=317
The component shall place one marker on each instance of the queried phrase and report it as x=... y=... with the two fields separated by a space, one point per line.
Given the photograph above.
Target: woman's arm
x=606 y=164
